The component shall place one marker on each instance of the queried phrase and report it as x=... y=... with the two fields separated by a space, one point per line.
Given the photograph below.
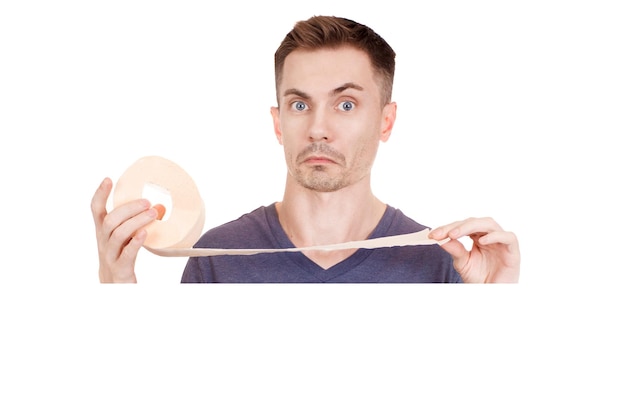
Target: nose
x=319 y=129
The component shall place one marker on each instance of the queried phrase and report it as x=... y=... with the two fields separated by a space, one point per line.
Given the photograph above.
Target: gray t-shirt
x=261 y=229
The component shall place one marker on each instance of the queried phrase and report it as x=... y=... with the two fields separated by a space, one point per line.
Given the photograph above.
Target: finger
x=508 y=238
x=467 y=227
x=129 y=253
x=505 y=238
x=125 y=233
x=99 y=200
x=441 y=232
x=456 y=250
x=160 y=208
x=122 y=214
x=474 y=226
x=123 y=270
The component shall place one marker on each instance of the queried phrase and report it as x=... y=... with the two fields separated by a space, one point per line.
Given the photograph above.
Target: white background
x=514 y=110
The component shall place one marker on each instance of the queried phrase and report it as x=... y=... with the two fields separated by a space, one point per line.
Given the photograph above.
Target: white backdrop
x=506 y=109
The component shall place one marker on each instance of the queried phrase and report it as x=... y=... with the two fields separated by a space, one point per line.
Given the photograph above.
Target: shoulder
x=399 y=223
x=248 y=230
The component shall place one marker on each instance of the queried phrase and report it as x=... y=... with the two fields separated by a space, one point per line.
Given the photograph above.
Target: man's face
x=330 y=119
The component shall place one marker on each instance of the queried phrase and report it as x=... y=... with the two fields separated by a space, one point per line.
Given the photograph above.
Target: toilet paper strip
x=410 y=239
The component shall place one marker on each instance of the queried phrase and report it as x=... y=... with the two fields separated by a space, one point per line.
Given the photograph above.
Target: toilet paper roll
x=176 y=235
x=184 y=224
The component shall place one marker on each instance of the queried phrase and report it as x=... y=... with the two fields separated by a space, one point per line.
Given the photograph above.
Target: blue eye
x=299 y=106
x=346 y=106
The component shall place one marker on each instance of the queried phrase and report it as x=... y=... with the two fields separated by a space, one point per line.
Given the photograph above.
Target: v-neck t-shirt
x=261 y=228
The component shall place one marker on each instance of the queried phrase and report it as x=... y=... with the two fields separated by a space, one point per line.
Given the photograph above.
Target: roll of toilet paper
x=185 y=219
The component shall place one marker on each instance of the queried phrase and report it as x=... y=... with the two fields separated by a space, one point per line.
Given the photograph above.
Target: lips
x=319 y=159
x=320 y=154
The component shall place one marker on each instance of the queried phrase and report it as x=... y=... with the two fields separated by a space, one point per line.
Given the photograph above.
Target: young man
x=334 y=80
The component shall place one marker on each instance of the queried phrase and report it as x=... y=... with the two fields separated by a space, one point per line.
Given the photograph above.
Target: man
x=334 y=80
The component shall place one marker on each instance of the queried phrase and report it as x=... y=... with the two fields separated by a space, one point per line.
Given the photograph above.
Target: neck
x=321 y=218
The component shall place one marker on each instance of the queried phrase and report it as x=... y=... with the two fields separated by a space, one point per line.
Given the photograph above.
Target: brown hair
x=332 y=32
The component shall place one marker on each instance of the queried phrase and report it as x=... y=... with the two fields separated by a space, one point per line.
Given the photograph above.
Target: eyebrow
x=345 y=87
x=336 y=91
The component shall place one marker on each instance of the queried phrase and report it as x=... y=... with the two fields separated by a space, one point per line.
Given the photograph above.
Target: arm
x=494 y=256
x=119 y=234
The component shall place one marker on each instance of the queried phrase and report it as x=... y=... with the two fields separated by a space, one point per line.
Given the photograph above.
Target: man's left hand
x=494 y=256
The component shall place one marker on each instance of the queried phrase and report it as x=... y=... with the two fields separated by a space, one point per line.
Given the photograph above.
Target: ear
x=388 y=120
x=276 y=119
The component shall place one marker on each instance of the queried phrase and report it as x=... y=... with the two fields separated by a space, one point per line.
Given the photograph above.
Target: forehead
x=325 y=69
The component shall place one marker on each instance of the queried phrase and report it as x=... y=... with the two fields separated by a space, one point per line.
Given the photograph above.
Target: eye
x=299 y=106
x=346 y=106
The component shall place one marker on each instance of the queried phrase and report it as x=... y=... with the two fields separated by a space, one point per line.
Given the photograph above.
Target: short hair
x=332 y=32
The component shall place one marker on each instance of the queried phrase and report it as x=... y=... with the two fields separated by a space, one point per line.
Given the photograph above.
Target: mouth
x=320 y=154
x=318 y=160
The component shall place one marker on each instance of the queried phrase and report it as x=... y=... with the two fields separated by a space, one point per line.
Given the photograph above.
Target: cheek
x=366 y=152
x=289 y=141
x=289 y=133
x=291 y=123
x=364 y=148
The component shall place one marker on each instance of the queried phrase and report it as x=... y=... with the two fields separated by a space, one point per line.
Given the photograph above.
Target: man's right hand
x=119 y=234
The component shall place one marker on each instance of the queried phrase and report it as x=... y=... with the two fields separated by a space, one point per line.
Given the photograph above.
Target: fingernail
x=160 y=208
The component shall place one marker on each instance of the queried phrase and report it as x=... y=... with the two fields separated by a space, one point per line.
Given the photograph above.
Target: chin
x=324 y=185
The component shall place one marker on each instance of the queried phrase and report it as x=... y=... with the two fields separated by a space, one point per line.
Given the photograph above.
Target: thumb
x=456 y=250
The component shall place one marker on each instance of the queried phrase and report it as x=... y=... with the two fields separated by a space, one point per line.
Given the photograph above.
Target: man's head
x=334 y=80
x=329 y=32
